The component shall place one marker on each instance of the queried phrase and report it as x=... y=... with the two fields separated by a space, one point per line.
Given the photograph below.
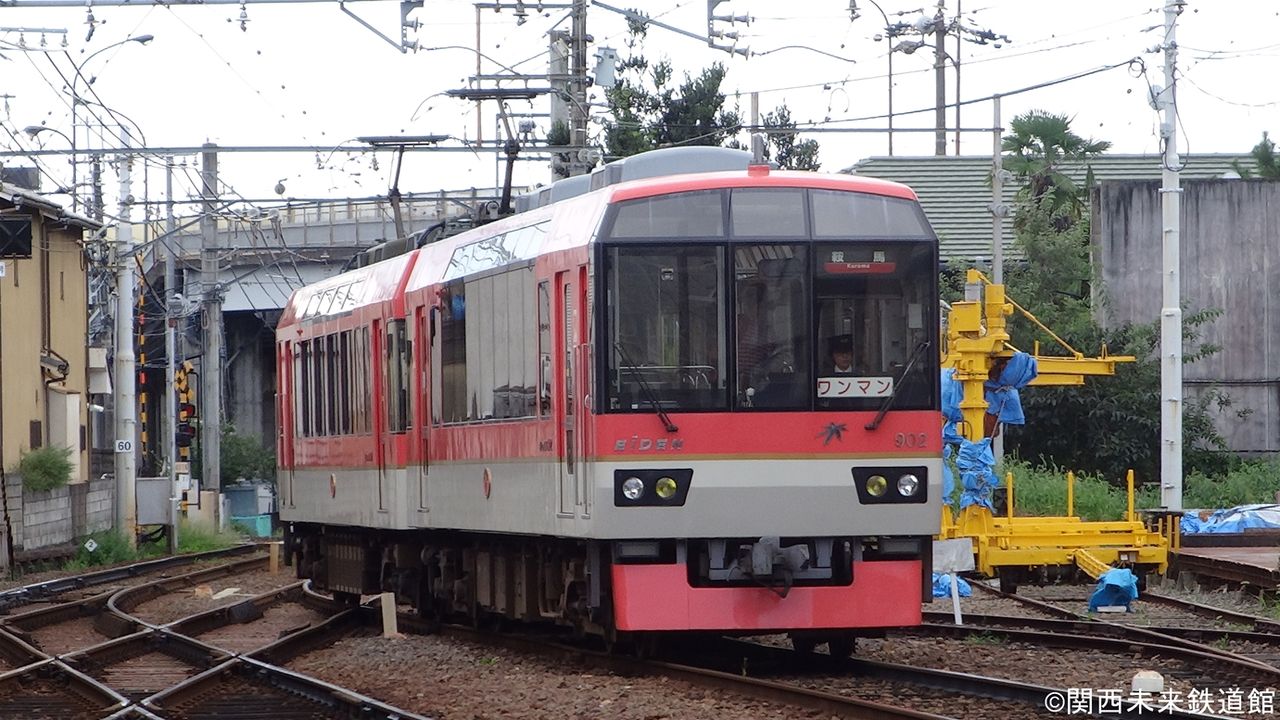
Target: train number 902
x=910 y=440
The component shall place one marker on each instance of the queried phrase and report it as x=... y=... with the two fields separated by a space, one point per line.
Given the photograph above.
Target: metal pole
x=998 y=209
x=97 y=188
x=959 y=42
x=126 y=366
x=940 y=82
x=1171 y=312
x=170 y=358
x=211 y=364
x=890 y=93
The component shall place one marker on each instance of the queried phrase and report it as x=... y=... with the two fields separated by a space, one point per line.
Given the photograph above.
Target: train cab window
x=691 y=214
x=667 y=332
x=772 y=326
x=873 y=317
x=772 y=212
x=848 y=215
x=452 y=386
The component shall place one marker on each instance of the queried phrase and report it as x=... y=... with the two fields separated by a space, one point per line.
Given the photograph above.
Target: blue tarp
x=1115 y=587
x=942 y=586
x=1232 y=520
x=1002 y=393
x=974 y=460
x=977 y=477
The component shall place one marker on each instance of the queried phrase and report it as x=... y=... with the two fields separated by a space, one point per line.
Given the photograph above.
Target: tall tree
x=650 y=108
x=1265 y=163
x=1041 y=147
x=786 y=148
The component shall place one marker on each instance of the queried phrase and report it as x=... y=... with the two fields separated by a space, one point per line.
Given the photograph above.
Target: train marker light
x=877 y=485
x=908 y=484
x=665 y=487
x=632 y=488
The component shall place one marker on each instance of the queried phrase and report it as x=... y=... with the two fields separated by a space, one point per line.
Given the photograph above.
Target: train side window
x=344 y=381
x=397 y=376
x=302 y=379
x=316 y=408
x=453 y=334
x=363 y=380
x=544 y=348
x=529 y=352
x=331 y=384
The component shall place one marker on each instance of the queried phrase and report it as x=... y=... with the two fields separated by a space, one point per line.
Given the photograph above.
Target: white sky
x=307 y=74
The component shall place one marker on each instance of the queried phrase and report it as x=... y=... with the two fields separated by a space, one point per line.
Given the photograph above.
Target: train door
x=583 y=369
x=286 y=404
x=424 y=334
x=381 y=406
x=566 y=345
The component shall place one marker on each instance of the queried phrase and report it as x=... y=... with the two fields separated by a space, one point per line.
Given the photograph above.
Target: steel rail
x=36 y=592
x=124 y=601
x=265 y=683
x=1145 y=634
x=20 y=691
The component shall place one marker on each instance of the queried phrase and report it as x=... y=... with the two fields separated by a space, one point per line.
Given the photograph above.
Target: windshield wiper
x=888 y=402
x=644 y=387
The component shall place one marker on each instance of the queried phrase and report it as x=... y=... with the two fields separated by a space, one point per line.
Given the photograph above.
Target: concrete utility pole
x=170 y=356
x=1171 y=312
x=211 y=365
x=940 y=80
x=578 y=105
x=126 y=365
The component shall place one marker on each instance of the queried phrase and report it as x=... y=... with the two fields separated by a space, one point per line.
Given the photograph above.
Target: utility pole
x=1171 y=312
x=578 y=105
x=998 y=208
x=170 y=359
x=940 y=80
x=97 y=187
x=211 y=365
x=126 y=366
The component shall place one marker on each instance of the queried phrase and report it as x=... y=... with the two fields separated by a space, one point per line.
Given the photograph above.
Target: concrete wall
x=51 y=520
x=250 y=375
x=46 y=519
x=1230 y=242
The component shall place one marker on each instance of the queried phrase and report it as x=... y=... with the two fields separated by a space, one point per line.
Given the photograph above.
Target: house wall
x=1230 y=260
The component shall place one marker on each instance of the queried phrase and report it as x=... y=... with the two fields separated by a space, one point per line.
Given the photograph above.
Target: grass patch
x=985 y=638
x=198 y=537
x=1042 y=491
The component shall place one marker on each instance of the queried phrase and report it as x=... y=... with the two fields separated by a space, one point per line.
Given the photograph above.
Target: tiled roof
x=956 y=191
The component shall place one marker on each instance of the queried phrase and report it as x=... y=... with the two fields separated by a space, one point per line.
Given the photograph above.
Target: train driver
x=841 y=349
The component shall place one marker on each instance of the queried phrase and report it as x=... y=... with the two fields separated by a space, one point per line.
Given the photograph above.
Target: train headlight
x=877 y=485
x=632 y=488
x=665 y=487
x=908 y=484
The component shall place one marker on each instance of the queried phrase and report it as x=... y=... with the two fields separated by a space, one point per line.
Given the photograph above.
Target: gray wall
x=53 y=518
x=251 y=374
x=1230 y=237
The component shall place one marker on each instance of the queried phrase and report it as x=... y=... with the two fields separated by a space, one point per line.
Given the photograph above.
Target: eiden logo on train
x=638 y=444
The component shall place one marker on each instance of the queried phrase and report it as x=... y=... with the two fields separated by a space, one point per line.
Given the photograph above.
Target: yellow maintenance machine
x=1018 y=548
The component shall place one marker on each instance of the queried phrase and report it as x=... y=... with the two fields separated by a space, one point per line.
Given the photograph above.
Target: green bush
x=243 y=456
x=45 y=468
x=198 y=537
x=112 y=549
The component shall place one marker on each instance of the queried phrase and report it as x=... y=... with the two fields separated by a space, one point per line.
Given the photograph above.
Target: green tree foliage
x=786 y=148
x=1110 y=424
x=652 y=109
x=243 y=456
x=1266 y=165
x=1041 y=147
x=45 y=468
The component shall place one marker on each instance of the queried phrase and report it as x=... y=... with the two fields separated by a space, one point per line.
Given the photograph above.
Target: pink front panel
x=658 y=597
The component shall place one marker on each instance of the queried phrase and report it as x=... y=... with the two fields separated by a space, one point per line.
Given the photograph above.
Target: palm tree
x=1041 y=146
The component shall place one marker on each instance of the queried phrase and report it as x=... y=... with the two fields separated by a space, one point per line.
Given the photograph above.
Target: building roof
x=24 y=198
x=956 y=191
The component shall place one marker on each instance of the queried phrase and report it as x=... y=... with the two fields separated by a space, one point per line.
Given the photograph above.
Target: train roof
x=755 y=177
x=349 y=291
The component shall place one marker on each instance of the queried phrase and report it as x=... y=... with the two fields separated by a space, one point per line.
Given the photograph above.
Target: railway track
x=1234 y=635
x=93 y=658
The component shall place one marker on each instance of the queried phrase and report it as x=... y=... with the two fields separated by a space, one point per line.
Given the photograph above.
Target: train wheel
x=1008 y=581
x=842 y=646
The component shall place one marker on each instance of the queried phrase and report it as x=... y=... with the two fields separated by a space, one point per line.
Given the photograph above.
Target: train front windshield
x=770 y=300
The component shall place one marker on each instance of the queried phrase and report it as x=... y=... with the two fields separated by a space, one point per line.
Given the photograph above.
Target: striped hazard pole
x=142 y=379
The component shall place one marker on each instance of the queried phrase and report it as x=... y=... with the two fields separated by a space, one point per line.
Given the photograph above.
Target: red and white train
x=695 y=402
